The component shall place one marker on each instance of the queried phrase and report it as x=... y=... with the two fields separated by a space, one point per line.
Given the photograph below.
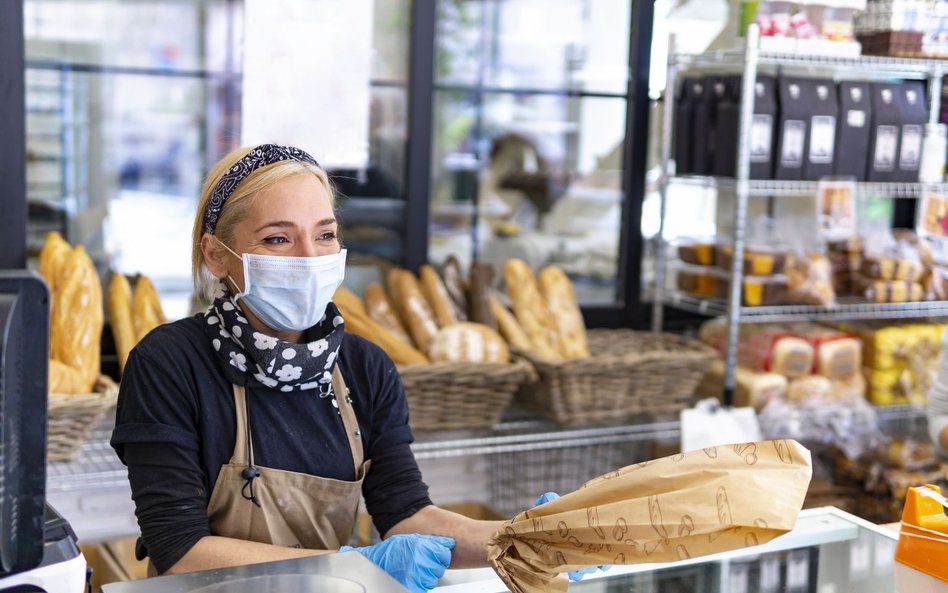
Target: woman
x=249 y=430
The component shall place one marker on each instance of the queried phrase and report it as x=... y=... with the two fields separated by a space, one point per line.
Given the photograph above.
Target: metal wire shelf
x=778 y=188
x=846 y=309
x=866 y=66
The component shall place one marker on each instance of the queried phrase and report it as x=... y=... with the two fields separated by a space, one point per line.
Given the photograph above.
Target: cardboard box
x=854 y=128
x=821 y=146
x=792 y=131
x=884 y=139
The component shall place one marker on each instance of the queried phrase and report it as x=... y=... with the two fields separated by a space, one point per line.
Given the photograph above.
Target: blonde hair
x=237 y=204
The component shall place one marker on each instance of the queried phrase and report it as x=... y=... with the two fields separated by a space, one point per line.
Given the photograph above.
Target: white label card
x=855 y=118
x=709 y=424
x=762 y=134
x=822 y=139
x=887 y=139
x=911 y=151
x=794 y=136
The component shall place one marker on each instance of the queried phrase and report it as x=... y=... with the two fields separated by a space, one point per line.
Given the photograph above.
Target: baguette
x=531 y=310
x=560 y=296
x=76 y=324
x=120 y=315
x=509 y=327
x=52 y=258
x=381 y=310
x=64 y=379
x=437 y=296
x=468 y=342
x=415 y=311
x=359 y=323
x=345 y=298
x=146 y=308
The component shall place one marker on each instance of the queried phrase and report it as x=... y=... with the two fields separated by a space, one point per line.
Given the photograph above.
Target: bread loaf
x=468 y=342
x=64 y=379
x=750 y=388
x=146 y=308
x=393 y=283
x=437 y=296
x=120 y=316
x=52 y=258
x=381 y=310
x=557 y=290
x=481 y=279
x=415 y=311
x=791 y=356
x=77 y=319
x=454 y=284
x=359 y=323
x=810 y=387
x=509 y=327
x=531 y=310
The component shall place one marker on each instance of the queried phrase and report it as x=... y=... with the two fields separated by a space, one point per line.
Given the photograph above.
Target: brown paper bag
x=678 y=507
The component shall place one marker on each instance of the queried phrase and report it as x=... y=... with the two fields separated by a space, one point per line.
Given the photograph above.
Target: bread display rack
x=748 y=60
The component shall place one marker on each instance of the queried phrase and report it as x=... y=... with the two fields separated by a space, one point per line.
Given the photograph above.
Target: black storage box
x=822 y=134
x=853 y=131
x=727 y=125
x=690 y=92
x=795 y=107
x=703 y=125
x=884 y=140
x=912 y=114
x=762 y=134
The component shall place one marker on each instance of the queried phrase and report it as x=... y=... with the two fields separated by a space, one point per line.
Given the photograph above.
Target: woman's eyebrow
x=284 y=224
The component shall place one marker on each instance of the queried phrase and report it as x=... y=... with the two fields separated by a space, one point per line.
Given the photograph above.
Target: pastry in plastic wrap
x=893 y=291
x=699 y=254
x=750 y=387
x=810 y=280
x=697 y=282
x=890 y=268
x=757 y=262
x=849 y=390
x=674 y=508
x=764 y=348
x=813 y=387
x=756 y=291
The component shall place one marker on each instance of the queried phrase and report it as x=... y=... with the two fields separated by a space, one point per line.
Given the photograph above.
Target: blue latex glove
x=574 y=575
x=415 y=560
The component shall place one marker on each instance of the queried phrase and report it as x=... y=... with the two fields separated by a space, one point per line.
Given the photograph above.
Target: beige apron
x=296 y=510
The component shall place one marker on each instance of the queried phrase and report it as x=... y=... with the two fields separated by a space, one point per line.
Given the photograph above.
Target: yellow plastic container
x=921 y=556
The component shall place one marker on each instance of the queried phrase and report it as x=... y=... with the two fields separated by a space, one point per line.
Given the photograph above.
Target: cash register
x=38 y=549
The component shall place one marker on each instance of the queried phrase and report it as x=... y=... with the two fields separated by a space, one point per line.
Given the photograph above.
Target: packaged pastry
x=812 y=387
x=697 y=253
x=809 y=280
x=764 y=348
x=756 y=291
x=758 y=261
x=893 y=291
x=891 y=268
x=837 y=355
x=699 y=281
x=849 y=390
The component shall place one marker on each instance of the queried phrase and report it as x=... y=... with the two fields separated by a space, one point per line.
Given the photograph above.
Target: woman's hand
x=415 y=560
x=574 y=575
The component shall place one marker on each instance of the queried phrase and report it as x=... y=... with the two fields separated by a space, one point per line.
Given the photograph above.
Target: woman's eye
x=327 y=236
x=275 y=240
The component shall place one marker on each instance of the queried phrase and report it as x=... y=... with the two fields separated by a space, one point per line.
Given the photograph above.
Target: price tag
x=769 y=574
x=860 y=559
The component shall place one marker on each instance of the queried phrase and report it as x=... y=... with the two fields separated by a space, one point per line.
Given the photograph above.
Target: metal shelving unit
x=748 y=61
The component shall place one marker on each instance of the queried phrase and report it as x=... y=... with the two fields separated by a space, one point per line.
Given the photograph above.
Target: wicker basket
x=630 y=372
x=72 y=417
x=460 y=395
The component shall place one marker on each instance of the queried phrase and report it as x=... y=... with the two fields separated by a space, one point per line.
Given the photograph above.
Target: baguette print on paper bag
x=678 y=507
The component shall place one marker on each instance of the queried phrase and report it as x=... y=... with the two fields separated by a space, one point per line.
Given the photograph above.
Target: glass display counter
x=829 y=551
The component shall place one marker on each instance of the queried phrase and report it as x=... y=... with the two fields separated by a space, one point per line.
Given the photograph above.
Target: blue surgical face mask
x=290 y=293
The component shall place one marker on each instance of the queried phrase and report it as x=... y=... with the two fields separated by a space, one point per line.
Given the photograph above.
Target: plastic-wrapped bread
x=468 y=342
x=146 y=308
x=560 y=296
x=750 y=387
x=120 y=316
x=437 y=296
x=531 y=310
x=509 y=326
x=381 y=310
x=76 y=324
x=812 y=387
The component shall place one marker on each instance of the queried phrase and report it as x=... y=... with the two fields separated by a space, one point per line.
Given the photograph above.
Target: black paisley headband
x=259 y=156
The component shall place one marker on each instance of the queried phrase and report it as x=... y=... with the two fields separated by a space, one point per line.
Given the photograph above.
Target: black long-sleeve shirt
x=175 y=427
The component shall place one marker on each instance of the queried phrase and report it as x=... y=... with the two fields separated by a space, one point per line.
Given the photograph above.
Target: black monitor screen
x=24 y=353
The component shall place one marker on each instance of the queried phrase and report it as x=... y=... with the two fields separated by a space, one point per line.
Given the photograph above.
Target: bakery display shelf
x=779 y=188
x=865 y=66
x=847 y=308
x=96 y=467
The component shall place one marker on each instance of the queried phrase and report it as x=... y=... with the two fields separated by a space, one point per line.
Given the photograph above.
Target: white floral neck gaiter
x=269 y=361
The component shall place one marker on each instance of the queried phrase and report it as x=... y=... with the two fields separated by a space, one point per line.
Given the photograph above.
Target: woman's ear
x=212 y=256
